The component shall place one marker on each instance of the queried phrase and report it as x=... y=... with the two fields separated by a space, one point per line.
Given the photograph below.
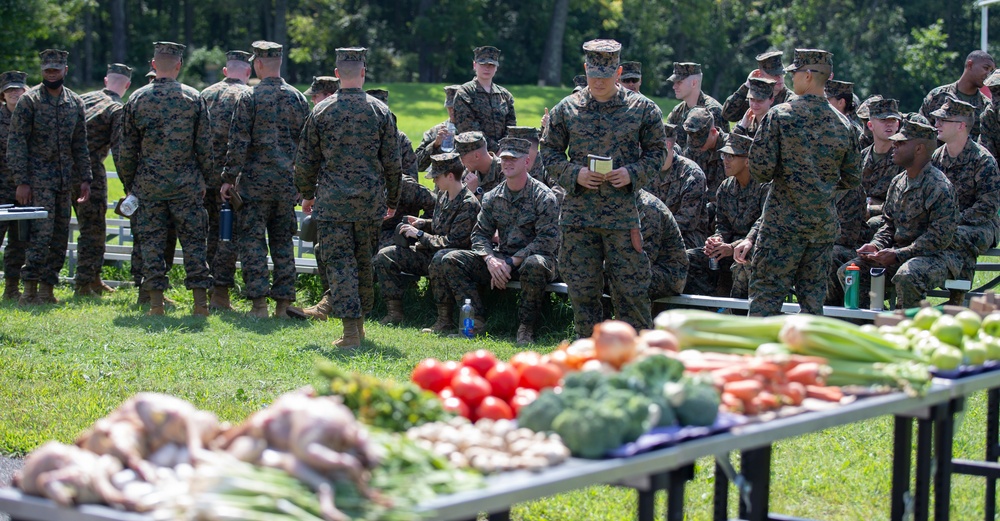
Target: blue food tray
x=666 y=436
x=966 y=370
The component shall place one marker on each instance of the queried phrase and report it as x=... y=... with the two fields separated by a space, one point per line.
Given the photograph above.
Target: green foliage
x=202 y=67
x=926 y=57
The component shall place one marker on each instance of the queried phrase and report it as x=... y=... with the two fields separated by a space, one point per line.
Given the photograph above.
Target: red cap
x=854 y=267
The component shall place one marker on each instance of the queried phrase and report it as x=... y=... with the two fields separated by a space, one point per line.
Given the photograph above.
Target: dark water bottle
x=226 y=222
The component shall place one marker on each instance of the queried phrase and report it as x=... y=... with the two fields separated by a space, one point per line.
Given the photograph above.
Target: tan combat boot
x=321 y=311
x=85 y=290
x=352 y=337
x=259 y=308
x=99 y=287
x=11 y=289
x=155 y=302
x=143 y=297
x=220 y=299
x=200 y=302
x=395 y=314
x=30 y=295
x=281 y=308
x=45 y=294
x=525 y=334
x=445 y=321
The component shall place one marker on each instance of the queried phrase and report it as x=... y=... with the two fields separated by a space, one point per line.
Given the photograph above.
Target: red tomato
x=540 y=376
x=465 y=370
x=455 y=405
x=451 y=368
x=446 y=393
x=431 y=374
x=521 y=398
x=503 y=379
x=471 y=388
x=481 y=360
x=495 y=409
x=524 y=359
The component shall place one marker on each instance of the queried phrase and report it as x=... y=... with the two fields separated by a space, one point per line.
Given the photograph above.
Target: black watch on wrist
x=420 y=233
x=509 y=261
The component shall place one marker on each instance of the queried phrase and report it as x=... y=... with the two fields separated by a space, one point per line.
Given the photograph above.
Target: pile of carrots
x=752 y=385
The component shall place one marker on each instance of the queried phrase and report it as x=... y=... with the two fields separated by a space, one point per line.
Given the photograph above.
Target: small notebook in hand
x=600 y=164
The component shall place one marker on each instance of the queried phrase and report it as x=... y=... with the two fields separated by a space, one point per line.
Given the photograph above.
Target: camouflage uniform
x=47 y=150
x=413 y=197
x=937 y=97
x=262 y=140
x=710 y=161
x=488 y=112
x=663 y=244
x=596 y=223
x=989 y=136
x=736 y=105
x=527 y=224
x=854 y=232
x=348 y=160
x=680 y=113
x=808 y=150
x=427 y=148
x=682 y=188
x=877 y=172
x=13 y=253
x=166 y=161
x=490 y=179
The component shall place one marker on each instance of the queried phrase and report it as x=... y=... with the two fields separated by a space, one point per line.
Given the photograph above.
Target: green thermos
x=852 y=284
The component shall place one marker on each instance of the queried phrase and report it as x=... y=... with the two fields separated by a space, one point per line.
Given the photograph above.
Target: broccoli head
x=538 y=415
x=589 y=381
x=589 y=433
x=655 y=370
x=695 y=400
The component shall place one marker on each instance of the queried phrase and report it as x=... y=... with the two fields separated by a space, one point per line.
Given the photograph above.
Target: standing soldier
x=481 y=105
x=806 y=149
x=760 y=98
x=687 y=78
x=479 y=161
x=12 y=85
x=260 y=166
x=347 y=164
x=632 y=76
x=166 y=162
x=990 y=124
x=434 y=137
x=769 y=68
x=978 y=66
x=47 y=154
x=680 y=184
x=104 y=120
x=220 y=99
x=877 y=167
x=599 y=219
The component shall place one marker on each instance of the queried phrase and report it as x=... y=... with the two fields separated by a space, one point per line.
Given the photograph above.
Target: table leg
x=720 y=511
x=677 y=480
x=902 y=448
x=992 y=448
x=499 y=516
x=921 y=493
x=944 y=434
x=755 y=466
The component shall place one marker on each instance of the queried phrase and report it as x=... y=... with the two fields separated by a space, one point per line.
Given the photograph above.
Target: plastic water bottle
x=448 y=143
x=877 y=293
x=852 y=283
x=468 y=323
x=130 y=205
x=226 y=222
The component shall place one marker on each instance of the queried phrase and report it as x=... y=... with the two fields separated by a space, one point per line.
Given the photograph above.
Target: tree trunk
x=266 y=21
x=87 y=73
x=188 y=22
x=175 y=14
x=281 y=31
x=119 y=34
x=426 y=65
x=550 y=70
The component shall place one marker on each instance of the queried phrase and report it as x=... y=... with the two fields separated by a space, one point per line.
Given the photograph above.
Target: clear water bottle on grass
x=467 y=320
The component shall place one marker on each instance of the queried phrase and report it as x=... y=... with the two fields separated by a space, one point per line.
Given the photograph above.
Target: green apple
x=991 y=324
x=925 y=318
x=948 y=330
x=970 y=321
x=947 y=357
x=925 y=347
x=975 y=352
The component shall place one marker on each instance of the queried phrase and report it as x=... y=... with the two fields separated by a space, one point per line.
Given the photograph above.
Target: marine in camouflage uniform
x=854 y=232
x=989 y=136
x=260 y=163
x=680 y=184
x=631 y=77
x=479 y=161
x=430 y=143
x=663 y=244
x=840 y=94
x=806 y=149
x=421 y=243
x=704 y=140
x=12 y=86
x=103 y=109
x=524 y=214
x=599 y=218
x=978 y=66
x=919 y=222
x=864 y=115
x=760 y=99
x=482 y=105
x=687 y=87
x=47 y=154
x=769 y=67
x=348 y=161
x=221 y=98
x=536 y=166
x=166 y=161
x=877 y=168
x=973 y=173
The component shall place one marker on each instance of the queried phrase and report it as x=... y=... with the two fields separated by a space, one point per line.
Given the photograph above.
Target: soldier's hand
x=442 y=133
x=499 y=273
x=589 y=179
x=545 y=119
x=723 y=250
x=412 y=221
x=84 y=192
x=741 y=250
x=224 y=191
x=868 y=248
x=886 y=257
x=408 y=231
x=23 y=195
x=619 y=177
x=389 y=214
x=747 y=118
x=635 y=235
x=307 y=206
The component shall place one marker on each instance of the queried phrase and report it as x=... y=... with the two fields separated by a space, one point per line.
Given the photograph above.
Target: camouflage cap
x=379 y=94
x=698 y=125
x=770 y=63
x=444 y=163
x=838 y=89
x=631 y=70
x=151 y=73
x=120 y=68
x=486 y=54
x=683 y=70
x=916 y=117
x=670 y=130
x=168 y=48
x=449 y=95
x=885 y=108
x=811 y=59
x=862 y=110
x=529 y=133
x=323 y=85
x=238 y=56
x=53 y=58
x=469 y=142
x=266 y=49
x=993 y=80
x=352 y=54
x=13 y=80
x=955 y=110
x=761 y=88
x=514 y=147
x=914 y=130
x=602 y=58
x=579 y=82
x=737 y=145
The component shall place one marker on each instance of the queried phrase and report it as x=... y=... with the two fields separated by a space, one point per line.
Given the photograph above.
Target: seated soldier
x=413 y=198
x=704 y=140
x=760 y=97
x=663 y=244
x=680 y=184
x=853 y=233
x=740 y=201
x=973 y=174
x=864 y=115
x=877 y=168
x=478 y=160
x=919 y=220
x=454 y=215
x=524 y=213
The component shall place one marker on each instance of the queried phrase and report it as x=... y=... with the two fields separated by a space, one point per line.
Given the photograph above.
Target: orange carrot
x=743 y=389
x=731 y=403
x=768 y=370
x=697 y=366
x=809 y=373
x=768 y=401
x=730 y=374
x=830 y=394
x=795 y=360
x=794 y=393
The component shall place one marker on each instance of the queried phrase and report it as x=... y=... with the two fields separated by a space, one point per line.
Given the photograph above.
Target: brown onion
x=614 y=342
x=660 y=339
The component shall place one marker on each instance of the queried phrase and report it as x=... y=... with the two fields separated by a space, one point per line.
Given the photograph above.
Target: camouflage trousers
x=874 y=223
x=187 y=216
x=13 y=253
x=912 y=279
x=93 y=231
x=392 y=262
x=346 y=250
x=665 y=281
x=221 y=254
x=701 y=280
x=741 y=280
x=459 y=274
x=46 y=250
x=969 y=243
x=586 y=257
x=169 y=249
x=781 y=262
x=267 y=226
x=835 y=287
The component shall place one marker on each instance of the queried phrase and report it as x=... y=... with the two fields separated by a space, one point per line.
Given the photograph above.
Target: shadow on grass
x=263 y=326
x=137 y=319
x=368 y=346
